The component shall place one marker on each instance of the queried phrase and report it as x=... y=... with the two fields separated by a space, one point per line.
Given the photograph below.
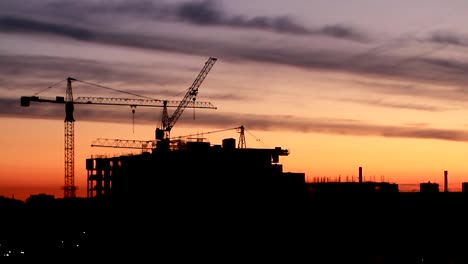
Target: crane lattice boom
x=25 y=101
x=124 y=143
x=168 y=122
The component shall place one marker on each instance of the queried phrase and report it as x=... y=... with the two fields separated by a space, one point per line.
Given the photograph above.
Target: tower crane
x=167 y=122
x=146 y=145
x=188 y=101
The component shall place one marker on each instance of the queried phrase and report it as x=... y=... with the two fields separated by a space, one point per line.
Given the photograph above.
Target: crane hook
x=133 y=107
x=193 y=102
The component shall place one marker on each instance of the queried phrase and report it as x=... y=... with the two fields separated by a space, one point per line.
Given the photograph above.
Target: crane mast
x=163 y=133
x=69 y=187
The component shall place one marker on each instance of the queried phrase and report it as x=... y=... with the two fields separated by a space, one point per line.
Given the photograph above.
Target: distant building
x=428 y=187
x=351 y=187
x=40 y=199
x=465 y=187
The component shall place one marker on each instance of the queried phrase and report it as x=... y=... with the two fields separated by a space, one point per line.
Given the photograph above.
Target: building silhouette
x=195 y=170
x=209 y=201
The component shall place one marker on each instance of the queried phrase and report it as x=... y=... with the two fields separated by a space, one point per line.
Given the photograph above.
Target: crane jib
x=188 y=102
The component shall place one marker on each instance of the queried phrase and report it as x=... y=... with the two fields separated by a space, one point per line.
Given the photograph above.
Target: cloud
x=201 y=13
x=227 y=96
x=420 y=90
x=107 y=79
x=398 y=105
x=343 y=31
x=102 y=36
x=43 y=71
x=454 y=66
x=447 y=37
x=331 y=126
x=13 y=24
x=297 y=52
x=111 y=114
x=209 y=12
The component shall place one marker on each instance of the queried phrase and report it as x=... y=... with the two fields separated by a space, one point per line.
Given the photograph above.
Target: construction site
x=188 y=193
x=205 y=166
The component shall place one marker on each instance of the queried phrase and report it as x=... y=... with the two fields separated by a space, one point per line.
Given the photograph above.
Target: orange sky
x=340 y=87
x=32 y=160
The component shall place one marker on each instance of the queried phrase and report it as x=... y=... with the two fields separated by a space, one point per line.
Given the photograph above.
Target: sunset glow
x=342 y=85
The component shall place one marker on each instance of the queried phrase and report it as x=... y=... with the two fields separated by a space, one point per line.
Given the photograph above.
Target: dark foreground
x=327 y=228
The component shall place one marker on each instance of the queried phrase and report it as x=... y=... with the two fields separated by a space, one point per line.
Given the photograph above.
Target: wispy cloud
x=393 y=104
x=448 y=37
x=420 y=90
x=13 y=24
x=11 y=108
x=42 y=71
x=209 y=13
x=205 y=13
x=98 y=79
x=323 y=56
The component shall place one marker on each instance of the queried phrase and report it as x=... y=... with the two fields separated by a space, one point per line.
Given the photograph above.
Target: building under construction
x=192 y=171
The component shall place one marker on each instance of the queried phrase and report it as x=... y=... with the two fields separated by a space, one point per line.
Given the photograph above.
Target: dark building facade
x=429 y=187
x=192 y=171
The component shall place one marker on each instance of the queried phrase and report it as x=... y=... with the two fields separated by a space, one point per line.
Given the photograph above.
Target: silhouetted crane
x=167 y=123
x=146 y=145
x=163 y=133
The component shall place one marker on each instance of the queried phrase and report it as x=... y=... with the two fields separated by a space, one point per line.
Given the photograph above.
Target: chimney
x=360 y=174
x=445 y=181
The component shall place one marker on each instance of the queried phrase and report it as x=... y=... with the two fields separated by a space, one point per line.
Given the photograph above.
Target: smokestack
x=360 y=174
x=445 y=181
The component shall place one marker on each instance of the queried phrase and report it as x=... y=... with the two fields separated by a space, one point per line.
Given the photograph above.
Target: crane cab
x=25 y=101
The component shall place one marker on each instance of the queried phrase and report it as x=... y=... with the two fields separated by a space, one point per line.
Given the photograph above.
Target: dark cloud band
x=12 y=108
x=16 y=24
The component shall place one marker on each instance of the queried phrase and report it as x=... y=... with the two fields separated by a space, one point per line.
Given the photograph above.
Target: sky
x=380 y=85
